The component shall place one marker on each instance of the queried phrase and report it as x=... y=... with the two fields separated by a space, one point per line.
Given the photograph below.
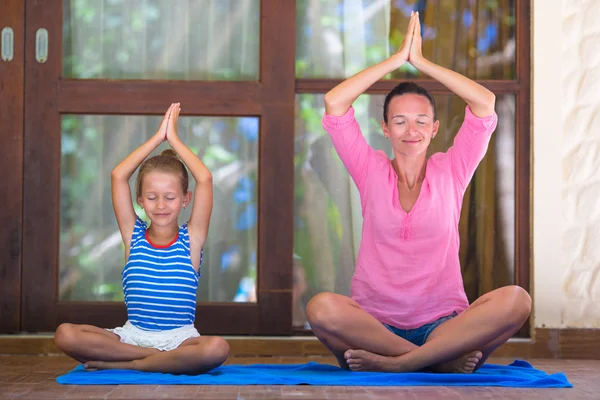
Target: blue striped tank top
x=160 y=283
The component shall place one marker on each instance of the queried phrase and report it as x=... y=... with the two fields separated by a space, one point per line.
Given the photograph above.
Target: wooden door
x=64 y=109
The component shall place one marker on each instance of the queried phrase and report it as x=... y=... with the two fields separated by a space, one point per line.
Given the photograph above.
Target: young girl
x=408 y=309
x=162 y=267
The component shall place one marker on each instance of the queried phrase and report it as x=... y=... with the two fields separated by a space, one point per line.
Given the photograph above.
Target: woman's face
x=411 y=124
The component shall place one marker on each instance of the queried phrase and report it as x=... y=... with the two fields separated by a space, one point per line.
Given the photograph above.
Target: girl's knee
x=218 y=348
x=64 y=337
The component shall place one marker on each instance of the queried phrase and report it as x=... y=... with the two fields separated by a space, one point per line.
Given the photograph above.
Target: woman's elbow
x=484 y=106
x=329 y=100
x=335 y=106
x=491 y=100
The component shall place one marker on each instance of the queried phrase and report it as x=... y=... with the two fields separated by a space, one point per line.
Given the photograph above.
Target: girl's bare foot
x=98 y=365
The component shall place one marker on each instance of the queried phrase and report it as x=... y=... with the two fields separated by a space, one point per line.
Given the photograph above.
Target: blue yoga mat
x=517 y=374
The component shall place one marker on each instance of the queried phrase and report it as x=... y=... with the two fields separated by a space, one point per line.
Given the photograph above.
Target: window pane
x=158 y=39
x=327 y=210
x=338 y=38
x=91 y=249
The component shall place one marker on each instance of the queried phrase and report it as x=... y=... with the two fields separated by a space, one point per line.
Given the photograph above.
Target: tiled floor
x=33 y=377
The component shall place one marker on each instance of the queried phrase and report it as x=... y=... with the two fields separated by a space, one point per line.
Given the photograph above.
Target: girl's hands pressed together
x=162 y=129
x=172 y=125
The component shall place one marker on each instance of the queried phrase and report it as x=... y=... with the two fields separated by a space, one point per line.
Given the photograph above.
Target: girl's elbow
x=206 y=178
x=116 y=174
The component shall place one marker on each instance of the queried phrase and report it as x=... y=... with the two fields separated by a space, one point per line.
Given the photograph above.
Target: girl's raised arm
x=203 y=193
x=121 y=193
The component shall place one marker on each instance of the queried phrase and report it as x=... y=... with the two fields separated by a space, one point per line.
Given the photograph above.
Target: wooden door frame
x=521 y=88
x=523 y=155
x=271 y=99
x=12 y=82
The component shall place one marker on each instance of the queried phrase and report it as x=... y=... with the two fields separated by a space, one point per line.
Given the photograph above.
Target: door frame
x=48 y=96
x=12 y=81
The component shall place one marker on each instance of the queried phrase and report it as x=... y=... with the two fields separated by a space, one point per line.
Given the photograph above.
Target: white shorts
x=161 y=340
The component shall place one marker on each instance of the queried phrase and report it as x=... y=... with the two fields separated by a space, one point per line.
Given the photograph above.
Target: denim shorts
x=419 y=335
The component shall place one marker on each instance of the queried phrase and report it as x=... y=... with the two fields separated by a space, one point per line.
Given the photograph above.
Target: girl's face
x=410 y=125
x=162 y=197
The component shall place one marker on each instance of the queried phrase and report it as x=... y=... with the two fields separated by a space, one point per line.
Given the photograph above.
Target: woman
x=408 y=309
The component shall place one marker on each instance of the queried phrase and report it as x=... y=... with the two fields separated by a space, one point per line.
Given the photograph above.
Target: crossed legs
x=461 y=344
x=101 y=349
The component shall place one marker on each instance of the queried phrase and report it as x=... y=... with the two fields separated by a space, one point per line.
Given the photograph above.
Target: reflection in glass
x=91 y=248
x=161 y=39
x=327 y=211
x=338 y=38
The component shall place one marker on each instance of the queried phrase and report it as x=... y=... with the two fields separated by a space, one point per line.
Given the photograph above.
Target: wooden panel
x=272 y=99
x=211 y=318
x=578 y=344
x=152 y=97
x=520 y=87
x=276 y=311
x=103 y=315
x=228 y=319
x=11 y=162
x=41 y=169
x=276 y=191
x=548 y=343
x=385 y=86
x=276 y=167
x=523 y=155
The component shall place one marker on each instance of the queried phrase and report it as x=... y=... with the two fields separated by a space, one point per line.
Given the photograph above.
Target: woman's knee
x=324 y=308
x=517 y=302
x=523 y=300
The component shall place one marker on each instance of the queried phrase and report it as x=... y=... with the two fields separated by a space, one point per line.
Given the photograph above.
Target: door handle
x=8 y=44
x=41 y=45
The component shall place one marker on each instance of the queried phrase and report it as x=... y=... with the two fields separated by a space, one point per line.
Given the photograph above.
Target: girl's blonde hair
x=167 y=161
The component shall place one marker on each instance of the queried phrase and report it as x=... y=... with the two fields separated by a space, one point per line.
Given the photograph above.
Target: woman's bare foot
x=362 y=360
x=462 y=365
x=98 y=365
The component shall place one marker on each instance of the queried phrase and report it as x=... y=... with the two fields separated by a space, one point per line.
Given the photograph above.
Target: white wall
x=566 y=162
